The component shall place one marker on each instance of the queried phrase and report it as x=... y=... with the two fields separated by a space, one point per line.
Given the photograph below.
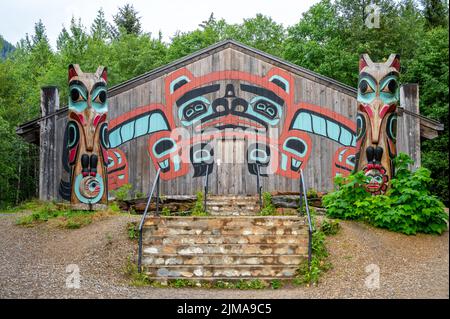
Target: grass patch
x=131 y=271
x=137 y=279
x=319 y=253
x=62 y=217
x=198 y=206
x=268 y=208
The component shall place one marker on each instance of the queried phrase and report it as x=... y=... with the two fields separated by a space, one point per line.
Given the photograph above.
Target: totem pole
x=378 y=97
x=87 y=138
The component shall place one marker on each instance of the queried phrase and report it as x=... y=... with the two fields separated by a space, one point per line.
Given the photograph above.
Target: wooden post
x=408 y=139
x=47 y=143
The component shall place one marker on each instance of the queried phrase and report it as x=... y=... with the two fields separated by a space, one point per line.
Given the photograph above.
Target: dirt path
x=33 y=264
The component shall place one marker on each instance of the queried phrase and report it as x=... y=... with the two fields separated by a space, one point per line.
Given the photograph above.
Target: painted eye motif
x=266 y=108
x=75 y=95
x=194 y=109
x=390 y=87
x=364 y=87
x=101 y=97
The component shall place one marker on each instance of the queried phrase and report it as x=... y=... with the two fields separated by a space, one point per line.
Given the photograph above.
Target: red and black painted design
x=230 y=104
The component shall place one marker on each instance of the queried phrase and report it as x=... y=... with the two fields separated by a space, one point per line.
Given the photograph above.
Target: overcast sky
x=17 y=17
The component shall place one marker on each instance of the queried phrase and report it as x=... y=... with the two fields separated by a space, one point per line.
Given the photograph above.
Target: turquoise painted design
x=369 y=95
x=263 y=107
x=197 y=105
x=294 y=151
x=392 y=127
x=168 y=151
x=176 y=163
x=139 y=126
x=321 y=125
x=73 y=133
x=283 y=163
x=96 y=104
x=98 y=179
x=303 y=122
x=386 y=96
x=282 y=80
x=176 y=81
x=258 y=155
x=80 y=105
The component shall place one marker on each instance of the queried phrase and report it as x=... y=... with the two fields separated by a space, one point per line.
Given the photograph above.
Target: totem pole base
x=88 y=207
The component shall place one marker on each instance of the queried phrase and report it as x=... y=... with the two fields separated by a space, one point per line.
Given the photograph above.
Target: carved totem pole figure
x=378 y=97
x=87 y=137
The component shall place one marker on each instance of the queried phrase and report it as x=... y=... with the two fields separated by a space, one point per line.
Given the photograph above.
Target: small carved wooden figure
x=378 y=97
x=87 y=137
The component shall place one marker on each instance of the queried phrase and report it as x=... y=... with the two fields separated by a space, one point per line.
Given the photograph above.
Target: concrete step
x=221 y=239
x=243 y=249
x=219 y=259
x=220 y=271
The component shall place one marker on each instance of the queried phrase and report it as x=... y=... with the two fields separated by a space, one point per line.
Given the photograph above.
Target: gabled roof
x=222 y=45
x=30 y=130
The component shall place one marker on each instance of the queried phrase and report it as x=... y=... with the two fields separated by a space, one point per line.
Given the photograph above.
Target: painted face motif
x=231 y=104
x=231 y=99
x=378 y=97
x=88 y=135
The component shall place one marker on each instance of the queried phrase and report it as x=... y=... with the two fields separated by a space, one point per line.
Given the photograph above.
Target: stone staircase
x=224 y=247
x=235 y=205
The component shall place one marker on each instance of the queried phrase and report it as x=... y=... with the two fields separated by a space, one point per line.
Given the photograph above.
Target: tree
x=435 y=13
x=100 y=27
x=127 y=21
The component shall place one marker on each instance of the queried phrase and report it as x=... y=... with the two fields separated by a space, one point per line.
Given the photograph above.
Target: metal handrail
x=205 y=188
x=155 y=184
x=258 y=186
x=310 y=227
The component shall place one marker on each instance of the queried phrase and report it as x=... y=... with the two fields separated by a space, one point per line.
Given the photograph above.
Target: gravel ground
x=33 y=264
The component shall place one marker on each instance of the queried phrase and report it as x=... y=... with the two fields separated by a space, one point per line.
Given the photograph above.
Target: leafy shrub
x=407 y=207
x=268 y=208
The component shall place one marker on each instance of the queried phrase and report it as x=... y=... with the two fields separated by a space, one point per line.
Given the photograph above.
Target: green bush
x=407 y=207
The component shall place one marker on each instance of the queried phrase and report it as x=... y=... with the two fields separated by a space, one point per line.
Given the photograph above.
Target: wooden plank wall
x=408 y=127
x=234 y=178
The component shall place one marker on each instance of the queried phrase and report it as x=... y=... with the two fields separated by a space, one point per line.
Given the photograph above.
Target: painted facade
x=225 y=112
